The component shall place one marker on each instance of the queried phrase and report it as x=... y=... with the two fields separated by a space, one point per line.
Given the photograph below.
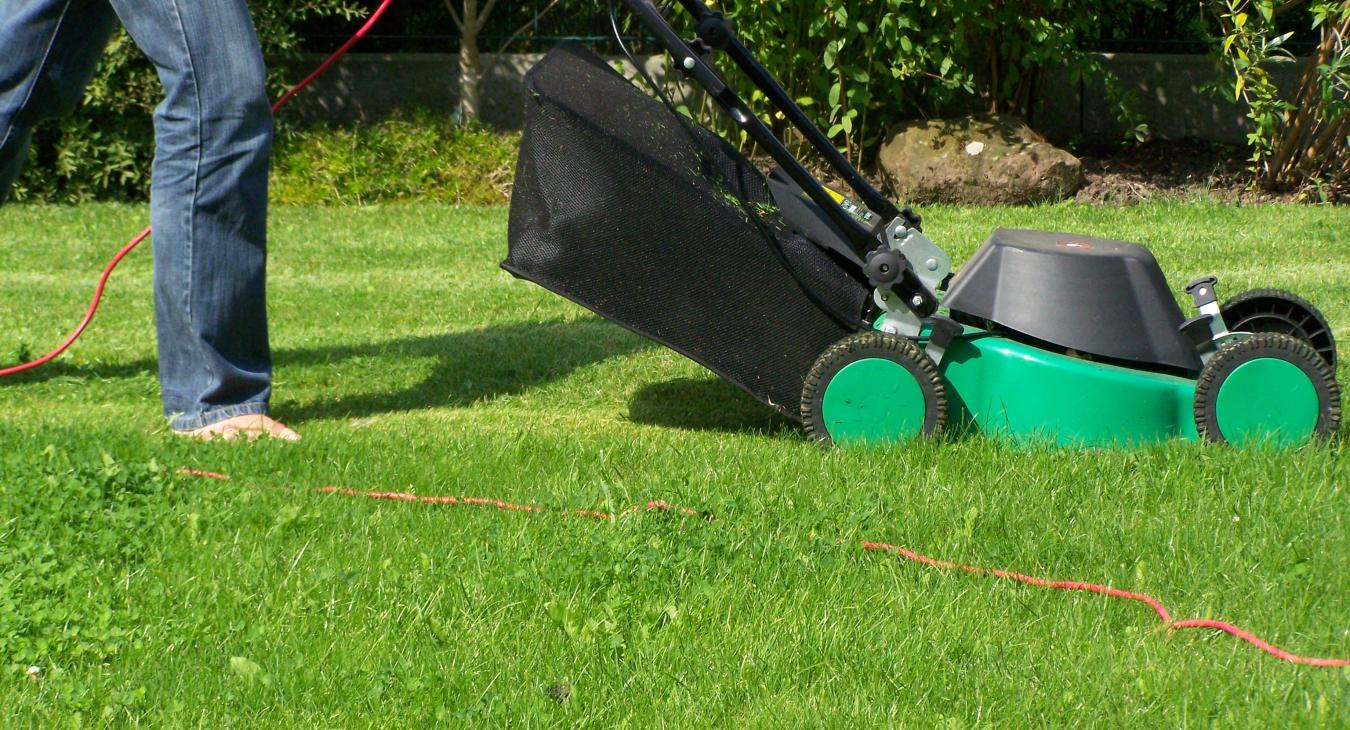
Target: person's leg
x=213 y=136
x=48 y=52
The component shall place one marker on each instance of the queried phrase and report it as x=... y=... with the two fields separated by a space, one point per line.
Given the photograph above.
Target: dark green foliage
x=104 y=150
x=1300 y=139
x=862 y=65
x=417 y=157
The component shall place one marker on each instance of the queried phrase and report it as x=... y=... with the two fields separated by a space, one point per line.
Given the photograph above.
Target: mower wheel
x=1266 y=386
x=873 y=387
x=1281 y=312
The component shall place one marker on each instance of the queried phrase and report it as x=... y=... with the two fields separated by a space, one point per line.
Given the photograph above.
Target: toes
x=280 y=431
x=251 y=428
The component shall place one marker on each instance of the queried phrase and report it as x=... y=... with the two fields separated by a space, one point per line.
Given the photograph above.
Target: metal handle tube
x=860 y=239
x=779 y=97
x=908 y=285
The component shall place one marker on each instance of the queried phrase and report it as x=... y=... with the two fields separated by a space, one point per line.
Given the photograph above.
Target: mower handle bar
x=859 y=238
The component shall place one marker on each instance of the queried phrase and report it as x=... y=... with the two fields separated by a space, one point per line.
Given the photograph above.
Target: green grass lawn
x=411 y=362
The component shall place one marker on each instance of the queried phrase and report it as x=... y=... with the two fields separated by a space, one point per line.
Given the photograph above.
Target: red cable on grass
x=88 y=314
x=1155 y=604
x=868 y=545
x=140 y=237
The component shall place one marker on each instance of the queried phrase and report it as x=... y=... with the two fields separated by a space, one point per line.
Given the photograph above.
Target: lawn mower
x=838 y=311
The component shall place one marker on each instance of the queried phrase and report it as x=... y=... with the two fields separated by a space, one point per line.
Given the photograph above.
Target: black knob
x=883 y=266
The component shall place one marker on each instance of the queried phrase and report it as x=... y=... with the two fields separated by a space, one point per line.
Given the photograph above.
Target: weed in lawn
x=75 y=530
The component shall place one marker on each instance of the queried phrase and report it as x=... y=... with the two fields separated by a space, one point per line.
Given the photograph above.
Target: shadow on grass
x=705 y=405
x=469 y=367
x=58 y=369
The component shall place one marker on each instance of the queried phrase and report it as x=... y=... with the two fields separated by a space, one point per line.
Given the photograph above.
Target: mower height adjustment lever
x=1203 y=293
x=1208 y=327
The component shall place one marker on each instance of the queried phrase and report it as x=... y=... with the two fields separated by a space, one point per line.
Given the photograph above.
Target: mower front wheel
x=873 y=387
x=1266 y=387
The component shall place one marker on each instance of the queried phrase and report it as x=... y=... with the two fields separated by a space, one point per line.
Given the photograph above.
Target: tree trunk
x=470 y=71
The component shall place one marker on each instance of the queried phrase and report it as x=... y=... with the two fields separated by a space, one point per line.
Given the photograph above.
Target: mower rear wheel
x=1281 y=312
x=873 y=387
x=1266 y=387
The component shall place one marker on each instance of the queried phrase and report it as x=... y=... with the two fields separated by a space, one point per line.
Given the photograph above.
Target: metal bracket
x=1207 y=328
x=929 y=264
x=899 y=319
x=945 y=329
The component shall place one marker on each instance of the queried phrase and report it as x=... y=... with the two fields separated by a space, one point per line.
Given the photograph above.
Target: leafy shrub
x=864 y=64
x=104 y=150
x=73 y=529
x=1298 y=139
x=418 y=157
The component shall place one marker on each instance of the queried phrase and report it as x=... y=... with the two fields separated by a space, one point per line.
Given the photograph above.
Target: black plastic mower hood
x=1093 y=295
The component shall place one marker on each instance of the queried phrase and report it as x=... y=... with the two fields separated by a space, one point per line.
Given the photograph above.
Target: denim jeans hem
x=216 y=415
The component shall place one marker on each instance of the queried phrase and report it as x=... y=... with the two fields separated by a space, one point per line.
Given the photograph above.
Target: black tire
x=1281 y=312
x=1258 y=346
x=899 y=350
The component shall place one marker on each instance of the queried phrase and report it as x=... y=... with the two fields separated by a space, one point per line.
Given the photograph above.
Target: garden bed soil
x=1169 y=170
x=1157 y=170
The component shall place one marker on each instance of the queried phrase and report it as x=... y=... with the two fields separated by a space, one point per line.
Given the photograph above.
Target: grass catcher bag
x=662 y=227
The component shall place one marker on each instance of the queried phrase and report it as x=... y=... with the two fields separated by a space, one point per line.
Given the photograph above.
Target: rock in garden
x=983 y=159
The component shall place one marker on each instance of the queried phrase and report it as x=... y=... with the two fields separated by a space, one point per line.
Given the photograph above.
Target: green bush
x=1300 y=139
x=864 y=64
x=104 y=150
x=418 y=157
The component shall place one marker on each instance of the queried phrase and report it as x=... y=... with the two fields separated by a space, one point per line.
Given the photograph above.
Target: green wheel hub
x=1267 y=398
x=873 y=400
x=873 y=387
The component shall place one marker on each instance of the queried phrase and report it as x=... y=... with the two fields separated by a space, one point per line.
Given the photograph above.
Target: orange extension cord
x=902 y=552
x=907 y=554
x=139 y=238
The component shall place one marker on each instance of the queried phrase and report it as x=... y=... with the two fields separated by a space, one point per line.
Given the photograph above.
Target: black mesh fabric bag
x=618 y=207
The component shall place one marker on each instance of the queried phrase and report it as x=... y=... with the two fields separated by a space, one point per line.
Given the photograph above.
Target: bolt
x=917 y=301
x=932 y=264
x=689 y=63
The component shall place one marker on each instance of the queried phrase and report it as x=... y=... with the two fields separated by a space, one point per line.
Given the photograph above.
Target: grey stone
x=986 y=159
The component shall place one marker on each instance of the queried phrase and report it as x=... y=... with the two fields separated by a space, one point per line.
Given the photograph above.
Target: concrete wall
x=369 y=87
x=1169 y=89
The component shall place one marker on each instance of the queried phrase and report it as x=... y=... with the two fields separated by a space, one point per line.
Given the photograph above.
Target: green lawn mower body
x=1027 y=394
x=838 y=311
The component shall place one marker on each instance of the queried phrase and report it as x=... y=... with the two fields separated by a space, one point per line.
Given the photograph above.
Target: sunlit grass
x=411 y=362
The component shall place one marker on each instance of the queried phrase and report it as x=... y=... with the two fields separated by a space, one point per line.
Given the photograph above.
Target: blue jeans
x=208 y=200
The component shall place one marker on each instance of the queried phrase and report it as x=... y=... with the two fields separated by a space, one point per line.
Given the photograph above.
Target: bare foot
x=251 y=427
